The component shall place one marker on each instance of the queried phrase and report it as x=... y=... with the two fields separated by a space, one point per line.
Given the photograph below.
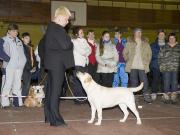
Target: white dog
x=101 y=97
x=39 y=92
x=35 y=96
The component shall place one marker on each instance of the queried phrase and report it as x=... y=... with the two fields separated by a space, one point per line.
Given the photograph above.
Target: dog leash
x=81 y=99
x=77 y=98
x=41 y=82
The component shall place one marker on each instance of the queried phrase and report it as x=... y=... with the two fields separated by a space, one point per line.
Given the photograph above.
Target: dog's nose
x=37 y=91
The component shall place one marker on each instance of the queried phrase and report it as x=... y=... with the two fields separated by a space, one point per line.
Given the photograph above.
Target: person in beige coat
x=107 y=59
x=137 y=54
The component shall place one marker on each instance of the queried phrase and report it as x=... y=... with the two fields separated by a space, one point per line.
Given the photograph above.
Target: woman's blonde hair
x=62 y=11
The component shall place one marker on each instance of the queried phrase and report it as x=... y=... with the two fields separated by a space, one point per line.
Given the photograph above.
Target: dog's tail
x=137 y=88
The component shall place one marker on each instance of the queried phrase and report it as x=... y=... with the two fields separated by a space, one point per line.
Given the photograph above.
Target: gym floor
x=157 y=119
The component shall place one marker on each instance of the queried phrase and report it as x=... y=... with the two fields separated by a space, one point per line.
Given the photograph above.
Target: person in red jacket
x=92 y=66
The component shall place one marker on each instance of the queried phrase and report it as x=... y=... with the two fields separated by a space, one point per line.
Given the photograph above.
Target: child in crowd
x=14 y=61
x=30 y=63
x=120 y=77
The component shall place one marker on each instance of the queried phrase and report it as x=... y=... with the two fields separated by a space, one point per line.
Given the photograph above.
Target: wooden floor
x=157 y=119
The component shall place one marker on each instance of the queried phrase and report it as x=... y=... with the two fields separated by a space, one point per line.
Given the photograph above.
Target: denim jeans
x=170 y=80
x=120 y=77
x=137 y=75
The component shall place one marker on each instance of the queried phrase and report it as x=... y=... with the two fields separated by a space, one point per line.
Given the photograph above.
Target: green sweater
x=169 y=58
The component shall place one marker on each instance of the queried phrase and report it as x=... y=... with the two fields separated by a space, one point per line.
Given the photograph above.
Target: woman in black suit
x=58 y=56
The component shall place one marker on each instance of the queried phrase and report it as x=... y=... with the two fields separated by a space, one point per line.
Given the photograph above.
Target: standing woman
x=107 y=59
x=169 y=61
x=58 y=56
x=81 y=52
x=137 y=54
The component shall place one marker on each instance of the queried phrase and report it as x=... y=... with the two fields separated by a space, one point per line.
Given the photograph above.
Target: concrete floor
x=157 y=119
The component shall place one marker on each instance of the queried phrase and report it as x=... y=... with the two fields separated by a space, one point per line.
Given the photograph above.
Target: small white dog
x=39 y=92
x=101 y=97
x=35 y=96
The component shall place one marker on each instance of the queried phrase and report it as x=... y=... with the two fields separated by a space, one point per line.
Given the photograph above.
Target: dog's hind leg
x=132 y=107
x=93 y=113
x=99 y=111
x=125 y=111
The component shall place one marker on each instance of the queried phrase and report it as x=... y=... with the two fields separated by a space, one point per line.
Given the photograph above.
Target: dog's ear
x=88 y=79
x=42 y=86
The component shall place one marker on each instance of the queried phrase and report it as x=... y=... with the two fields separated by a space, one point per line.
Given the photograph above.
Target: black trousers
x=156 y=80
x=55 y=81
x=92 y=71
x=26 y=77
x=78 y=90
x=105 y=79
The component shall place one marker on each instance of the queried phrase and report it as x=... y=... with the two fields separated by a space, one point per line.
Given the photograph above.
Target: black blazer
x=58 y=48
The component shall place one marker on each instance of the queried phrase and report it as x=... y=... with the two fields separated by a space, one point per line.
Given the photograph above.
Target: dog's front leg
x=99 y=111
x=93 y=113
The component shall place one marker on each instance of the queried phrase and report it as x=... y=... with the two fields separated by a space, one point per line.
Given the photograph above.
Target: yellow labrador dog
x=101 y=97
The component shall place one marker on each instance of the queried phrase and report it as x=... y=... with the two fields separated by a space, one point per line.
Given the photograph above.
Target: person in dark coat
x=58 y=56
x=154 y=66
x=30 y=63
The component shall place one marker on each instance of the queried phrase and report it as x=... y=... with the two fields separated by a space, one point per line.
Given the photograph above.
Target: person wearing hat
x=137 y=54
x=58 y=56
x=14 y=59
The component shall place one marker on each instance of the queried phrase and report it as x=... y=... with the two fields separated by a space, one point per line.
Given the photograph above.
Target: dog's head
x=85 y=78
x=37 y=91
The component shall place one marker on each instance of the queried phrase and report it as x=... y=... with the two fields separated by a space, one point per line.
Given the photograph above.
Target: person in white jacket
x=13 y=67
x=81 y=52
x=107 y=58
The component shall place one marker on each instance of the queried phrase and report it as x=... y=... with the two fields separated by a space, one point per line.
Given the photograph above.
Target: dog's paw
x=97 y=123
x=90 y=121
x=122 y=120
x=139 y=123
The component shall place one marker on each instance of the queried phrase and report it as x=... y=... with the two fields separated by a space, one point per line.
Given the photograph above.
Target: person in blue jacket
x=154 y=66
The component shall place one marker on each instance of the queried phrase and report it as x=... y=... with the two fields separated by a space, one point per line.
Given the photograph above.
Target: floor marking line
x=79 y=120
